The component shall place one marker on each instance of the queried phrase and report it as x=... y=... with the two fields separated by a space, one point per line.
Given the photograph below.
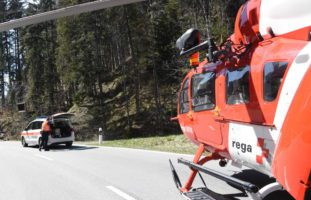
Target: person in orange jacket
x=46 y=130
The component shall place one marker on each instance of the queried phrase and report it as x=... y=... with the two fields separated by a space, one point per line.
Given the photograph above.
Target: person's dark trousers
x=45 y=138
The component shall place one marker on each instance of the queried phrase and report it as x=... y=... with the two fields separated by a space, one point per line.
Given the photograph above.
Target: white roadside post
x=100 y=135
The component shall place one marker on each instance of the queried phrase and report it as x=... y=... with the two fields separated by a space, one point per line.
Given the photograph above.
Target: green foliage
x=116 y=67
x=170 y=143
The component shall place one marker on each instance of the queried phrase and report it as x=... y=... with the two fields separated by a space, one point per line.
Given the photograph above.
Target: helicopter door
x=203 y=105
x=184 y=114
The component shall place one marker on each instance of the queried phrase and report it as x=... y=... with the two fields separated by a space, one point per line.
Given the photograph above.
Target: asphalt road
x=91 y=173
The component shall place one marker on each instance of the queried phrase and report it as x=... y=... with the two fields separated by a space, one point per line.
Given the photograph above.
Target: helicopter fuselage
x=256 y=111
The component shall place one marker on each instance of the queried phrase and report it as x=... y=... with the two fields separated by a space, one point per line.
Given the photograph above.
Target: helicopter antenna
x=206 y=15
x=211 y=44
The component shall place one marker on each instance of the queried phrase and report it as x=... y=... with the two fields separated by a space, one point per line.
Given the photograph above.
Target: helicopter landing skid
x=196 y=167
x=202 y=194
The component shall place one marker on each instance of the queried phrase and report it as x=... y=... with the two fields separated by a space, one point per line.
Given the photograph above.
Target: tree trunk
x=136 y=70
x=99 y=69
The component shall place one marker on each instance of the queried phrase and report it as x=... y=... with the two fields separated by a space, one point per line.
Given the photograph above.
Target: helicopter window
x=273 y=75
x=237 y=86
x=183 y=99
x=203 y=91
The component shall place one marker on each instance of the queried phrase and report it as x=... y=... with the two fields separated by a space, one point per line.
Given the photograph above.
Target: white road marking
x=44 y=157
x=120 y=193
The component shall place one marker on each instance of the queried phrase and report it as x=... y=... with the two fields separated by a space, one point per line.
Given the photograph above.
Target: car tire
x=68 y=144
x=24 y=144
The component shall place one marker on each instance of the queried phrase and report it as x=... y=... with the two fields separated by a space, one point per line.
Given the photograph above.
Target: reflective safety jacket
x=45 y=126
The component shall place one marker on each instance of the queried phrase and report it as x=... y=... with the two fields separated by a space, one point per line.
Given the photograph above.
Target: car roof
x=39 y=120
x=43 y=119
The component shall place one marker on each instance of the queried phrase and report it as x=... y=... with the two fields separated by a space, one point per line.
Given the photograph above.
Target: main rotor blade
x=63 y=12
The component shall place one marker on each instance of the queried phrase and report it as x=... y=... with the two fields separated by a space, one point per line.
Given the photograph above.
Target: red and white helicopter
x=249 y=101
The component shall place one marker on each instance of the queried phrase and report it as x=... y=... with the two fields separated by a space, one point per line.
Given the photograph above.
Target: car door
x=62 y=115
x=36 y=129
x=26 y=133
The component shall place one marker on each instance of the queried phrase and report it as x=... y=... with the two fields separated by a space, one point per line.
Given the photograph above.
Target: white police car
x=62 y=131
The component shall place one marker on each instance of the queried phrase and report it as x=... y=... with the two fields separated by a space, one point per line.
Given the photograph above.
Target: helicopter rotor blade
x=63 y=12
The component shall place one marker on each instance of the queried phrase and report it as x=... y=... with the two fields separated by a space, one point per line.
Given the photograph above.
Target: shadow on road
x=259 y=180
x=72 y=148
x=55 y=148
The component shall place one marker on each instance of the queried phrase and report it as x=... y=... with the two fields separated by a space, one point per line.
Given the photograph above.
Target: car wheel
x=69 y=144
x=24 y=142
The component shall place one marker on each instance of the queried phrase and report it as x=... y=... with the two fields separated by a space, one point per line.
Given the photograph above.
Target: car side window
x=203 y=91
x=237 y=85
x=273 y=76
x=29 y=127
x=37 y=125
x=183 y=98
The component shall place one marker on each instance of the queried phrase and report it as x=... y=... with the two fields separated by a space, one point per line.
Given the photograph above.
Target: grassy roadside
x=171 y=143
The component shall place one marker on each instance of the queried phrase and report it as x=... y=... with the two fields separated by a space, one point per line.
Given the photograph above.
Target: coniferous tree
x=120 y=63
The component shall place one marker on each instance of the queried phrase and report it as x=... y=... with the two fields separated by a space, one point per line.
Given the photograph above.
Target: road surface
x=103 y=173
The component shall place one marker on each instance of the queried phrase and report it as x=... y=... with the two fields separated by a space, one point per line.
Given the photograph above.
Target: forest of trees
x=118 y=66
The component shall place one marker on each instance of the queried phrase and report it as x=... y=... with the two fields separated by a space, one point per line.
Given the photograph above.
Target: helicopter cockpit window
x=237 y=86
x=273 y=75
x=203 y=91
x=183 y=98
